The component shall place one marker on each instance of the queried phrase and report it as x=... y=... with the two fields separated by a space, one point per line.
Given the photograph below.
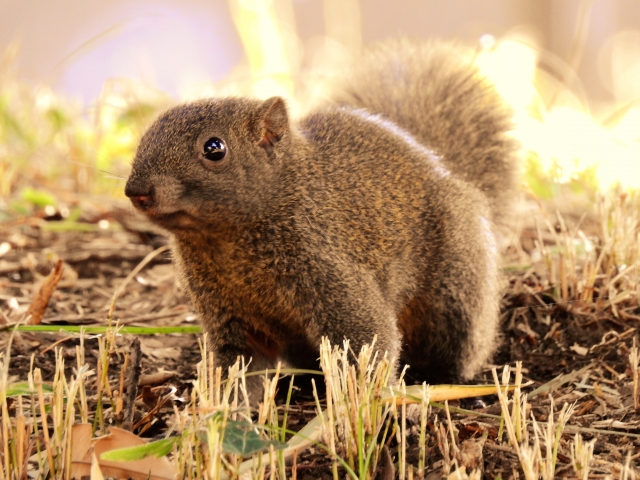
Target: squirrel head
x=211 y=163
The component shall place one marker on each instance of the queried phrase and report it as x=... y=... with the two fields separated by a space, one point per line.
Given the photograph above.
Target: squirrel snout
x=141 y=196
x=143 y=202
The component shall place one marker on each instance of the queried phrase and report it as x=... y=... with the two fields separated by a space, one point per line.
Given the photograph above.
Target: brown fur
x=342 y=224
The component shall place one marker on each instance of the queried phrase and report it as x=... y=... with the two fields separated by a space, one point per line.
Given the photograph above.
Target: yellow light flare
x=564 y=137
x=573 y=141
x=511 y=66
x=264 y=40
x=627 y=130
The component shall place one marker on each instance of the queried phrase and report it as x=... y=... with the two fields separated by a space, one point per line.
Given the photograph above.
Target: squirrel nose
x=141 y=196
x=143 y=202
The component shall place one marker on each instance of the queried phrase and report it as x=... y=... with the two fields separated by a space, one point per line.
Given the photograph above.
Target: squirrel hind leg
x=434 y=341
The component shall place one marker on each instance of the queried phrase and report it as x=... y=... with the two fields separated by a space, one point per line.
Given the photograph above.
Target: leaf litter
x=572 y=352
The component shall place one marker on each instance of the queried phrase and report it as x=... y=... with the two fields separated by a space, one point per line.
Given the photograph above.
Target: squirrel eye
x=214 y=149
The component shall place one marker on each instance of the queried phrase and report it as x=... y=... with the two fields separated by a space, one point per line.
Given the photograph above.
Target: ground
x=550 y=337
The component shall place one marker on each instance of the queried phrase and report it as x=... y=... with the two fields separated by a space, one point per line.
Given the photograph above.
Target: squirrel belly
x=347 y=224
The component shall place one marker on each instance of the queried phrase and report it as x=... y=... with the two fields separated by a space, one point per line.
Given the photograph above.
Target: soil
x=550 y=337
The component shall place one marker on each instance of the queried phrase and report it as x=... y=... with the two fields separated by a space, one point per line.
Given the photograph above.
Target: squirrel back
x=435 y=92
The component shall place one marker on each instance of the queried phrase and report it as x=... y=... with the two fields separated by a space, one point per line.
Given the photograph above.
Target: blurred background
x=79 y=81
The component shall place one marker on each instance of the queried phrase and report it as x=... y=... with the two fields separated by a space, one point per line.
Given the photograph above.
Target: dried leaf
x=388 y=468
x=84 y=447
x=155 y=378
x=41 y=300
x=471 y=453
x=96 y=473
x=439 y=393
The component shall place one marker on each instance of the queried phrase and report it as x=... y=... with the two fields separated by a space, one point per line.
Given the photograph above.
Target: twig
x=133 y=376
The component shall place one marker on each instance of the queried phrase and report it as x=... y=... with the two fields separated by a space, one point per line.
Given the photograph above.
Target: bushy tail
x=434 y=91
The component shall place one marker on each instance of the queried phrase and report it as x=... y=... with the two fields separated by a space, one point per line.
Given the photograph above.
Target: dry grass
x=592 y=264
x=38 y=423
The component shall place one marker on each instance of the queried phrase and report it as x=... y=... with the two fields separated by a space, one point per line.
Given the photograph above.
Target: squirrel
x=375 y=214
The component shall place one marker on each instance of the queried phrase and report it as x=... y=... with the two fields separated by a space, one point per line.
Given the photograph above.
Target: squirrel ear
x=274 y=122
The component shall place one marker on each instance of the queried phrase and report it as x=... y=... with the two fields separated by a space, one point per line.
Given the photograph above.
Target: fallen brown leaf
x=471 y=453
x=155 y=378
x=41 y=300
x=388 y=468
x=96 y=473
x=84 y=449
